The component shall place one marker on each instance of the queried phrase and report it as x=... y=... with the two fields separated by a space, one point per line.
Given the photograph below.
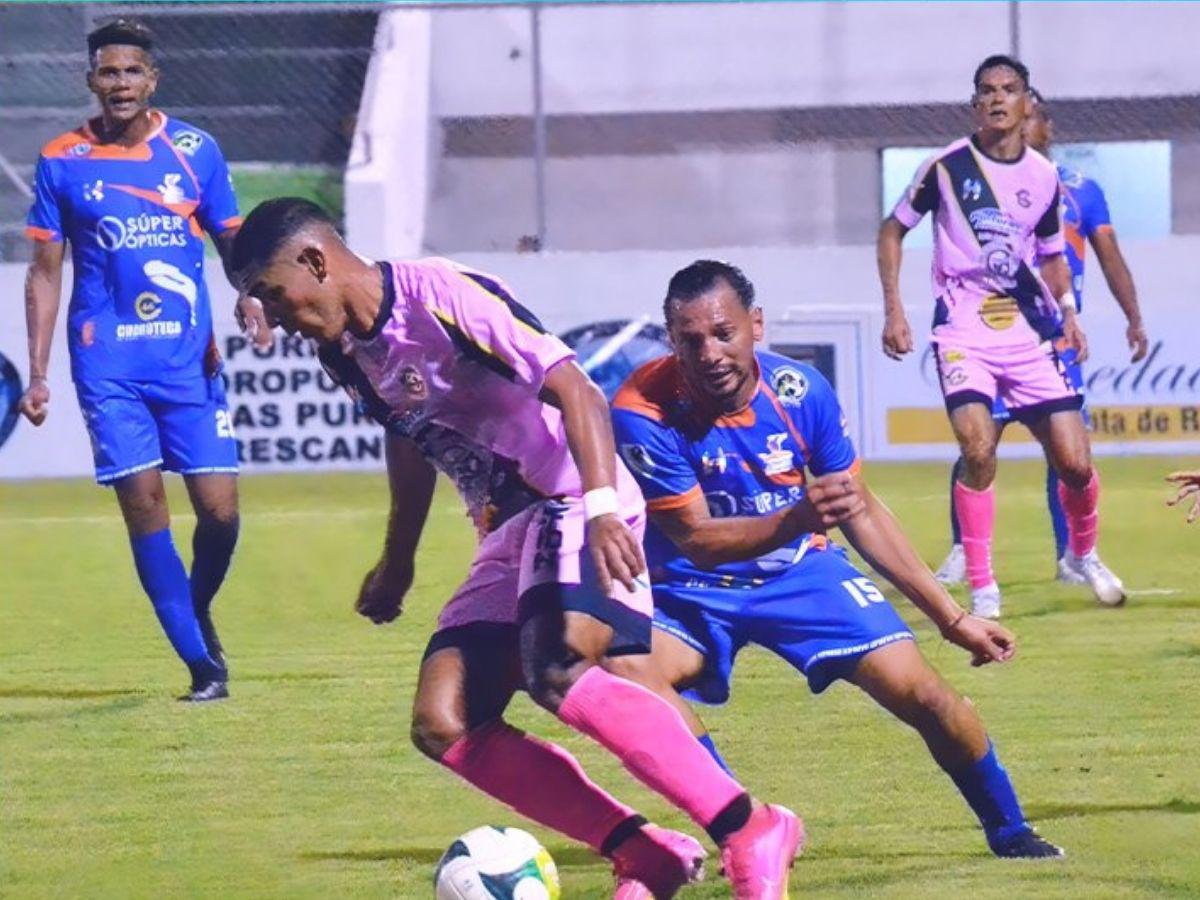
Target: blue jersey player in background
x=133 y=192
x=1086 y=221
x=723 y=439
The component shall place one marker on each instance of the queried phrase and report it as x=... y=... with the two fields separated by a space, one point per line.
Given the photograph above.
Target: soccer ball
x=496 y=863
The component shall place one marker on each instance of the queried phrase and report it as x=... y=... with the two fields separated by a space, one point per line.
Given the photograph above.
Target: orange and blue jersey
x=135 y=218
x=751 y=463
x=1084 y=213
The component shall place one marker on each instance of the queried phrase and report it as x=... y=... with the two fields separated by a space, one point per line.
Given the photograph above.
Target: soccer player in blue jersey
x=719 y=436
x=1086 y=221
x=133 y=192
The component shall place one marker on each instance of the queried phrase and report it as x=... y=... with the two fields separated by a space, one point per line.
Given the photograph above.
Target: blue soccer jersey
x=1085 y=212
x=750 y=463
x=135 y=218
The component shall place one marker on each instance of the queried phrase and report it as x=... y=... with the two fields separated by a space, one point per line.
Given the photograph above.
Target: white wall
x=388 y=173
x=623 y=58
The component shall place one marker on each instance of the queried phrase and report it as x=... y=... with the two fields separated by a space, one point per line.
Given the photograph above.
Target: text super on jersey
x=135 y=218
x=748 y=463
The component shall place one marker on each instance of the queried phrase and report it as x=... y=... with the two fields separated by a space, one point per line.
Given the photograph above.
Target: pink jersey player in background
x=468 y=382
x=995 y=204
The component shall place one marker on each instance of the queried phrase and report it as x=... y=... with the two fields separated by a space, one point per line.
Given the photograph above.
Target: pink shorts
x=1031 y=380
x=540 y=556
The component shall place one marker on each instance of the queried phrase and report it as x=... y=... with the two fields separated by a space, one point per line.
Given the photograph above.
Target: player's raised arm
x=43 y=291
x=615 y=550
x=411 y=480
x=877 y=536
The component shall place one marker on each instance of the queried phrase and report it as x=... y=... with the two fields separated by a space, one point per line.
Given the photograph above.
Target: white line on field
x=1154 y=592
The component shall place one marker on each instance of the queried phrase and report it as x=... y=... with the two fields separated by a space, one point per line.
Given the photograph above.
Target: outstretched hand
x=985 y=640
x=381 y=596
x=1189 y=486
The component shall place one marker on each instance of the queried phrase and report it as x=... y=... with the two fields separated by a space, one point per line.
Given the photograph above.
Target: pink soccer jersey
x=990 y=219
x=456 y=364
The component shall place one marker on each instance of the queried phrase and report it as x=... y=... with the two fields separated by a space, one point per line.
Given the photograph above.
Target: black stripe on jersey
x=475 y=353
x=519 y=312
x=346 y=373
x=388 y=304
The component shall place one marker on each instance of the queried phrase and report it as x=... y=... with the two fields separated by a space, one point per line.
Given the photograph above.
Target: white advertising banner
x=288 y=416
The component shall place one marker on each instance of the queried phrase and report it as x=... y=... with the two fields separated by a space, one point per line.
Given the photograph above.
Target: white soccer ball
x=496 y=863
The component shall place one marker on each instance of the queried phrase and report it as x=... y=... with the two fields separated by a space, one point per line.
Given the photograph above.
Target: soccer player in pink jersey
x=995 y=204
x=467 y=382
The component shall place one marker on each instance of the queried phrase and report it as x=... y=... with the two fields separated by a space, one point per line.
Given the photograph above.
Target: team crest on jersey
x=638 y=459
x=777 y=460
x=83 y=148
x=1024 y=199
x=187 y=142
x=148 y=306
x=94 y=190
x=972 y=189
x=170 y=190
x=789 y=385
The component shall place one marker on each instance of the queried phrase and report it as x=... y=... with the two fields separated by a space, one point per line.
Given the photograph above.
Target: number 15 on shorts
x=863 y=592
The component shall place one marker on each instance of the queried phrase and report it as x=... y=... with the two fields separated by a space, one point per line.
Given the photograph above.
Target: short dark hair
x=269 y=226
x=120 y=31
x=1040 y=102
x=1001 y=59
x=701 y=277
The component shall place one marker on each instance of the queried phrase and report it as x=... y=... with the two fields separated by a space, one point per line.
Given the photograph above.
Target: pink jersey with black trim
x=976 y=253
x=456 y=364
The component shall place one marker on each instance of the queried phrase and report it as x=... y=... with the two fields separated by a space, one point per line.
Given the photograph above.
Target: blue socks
x=212 y=550
x=955 y=531
x=166 y=582
x=1057 y=517
x=986 y=788
x=706 y=742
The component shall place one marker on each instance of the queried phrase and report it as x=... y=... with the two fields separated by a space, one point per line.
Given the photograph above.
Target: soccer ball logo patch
x=789 y=385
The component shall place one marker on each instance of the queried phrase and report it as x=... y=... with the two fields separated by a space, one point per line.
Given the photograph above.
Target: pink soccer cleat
x=656 y=863
x=758 y=855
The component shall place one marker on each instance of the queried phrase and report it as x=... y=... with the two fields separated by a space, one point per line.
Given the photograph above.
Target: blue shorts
x=822 y=616
x=182 y=427
x=1074 y=372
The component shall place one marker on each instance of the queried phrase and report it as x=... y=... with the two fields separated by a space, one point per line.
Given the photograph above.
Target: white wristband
x=600 y=502
x=1067 y=301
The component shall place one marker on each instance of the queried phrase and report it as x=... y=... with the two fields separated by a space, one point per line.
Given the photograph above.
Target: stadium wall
x=289 y=417
x=388 y=174
x=646 y=58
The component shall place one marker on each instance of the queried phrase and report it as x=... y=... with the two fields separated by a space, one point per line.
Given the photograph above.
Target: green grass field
x=304 y=784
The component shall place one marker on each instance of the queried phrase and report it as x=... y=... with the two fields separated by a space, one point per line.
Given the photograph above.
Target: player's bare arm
x=1188 y=484
x=1120 y=283
x=1057 y=275
x=411 y=480
x=43 y=290
x=897 y=335
x=878 y=538
x=709 y=542
x=615 y=551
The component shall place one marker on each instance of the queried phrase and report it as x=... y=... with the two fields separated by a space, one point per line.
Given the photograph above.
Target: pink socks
x=1083 y=514
x=651 y=738
x=976 y=520
x=541 y=781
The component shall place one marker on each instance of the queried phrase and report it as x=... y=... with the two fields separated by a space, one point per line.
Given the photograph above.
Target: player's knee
x=435 y=730
x=1076 y=474
x=935 y=699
